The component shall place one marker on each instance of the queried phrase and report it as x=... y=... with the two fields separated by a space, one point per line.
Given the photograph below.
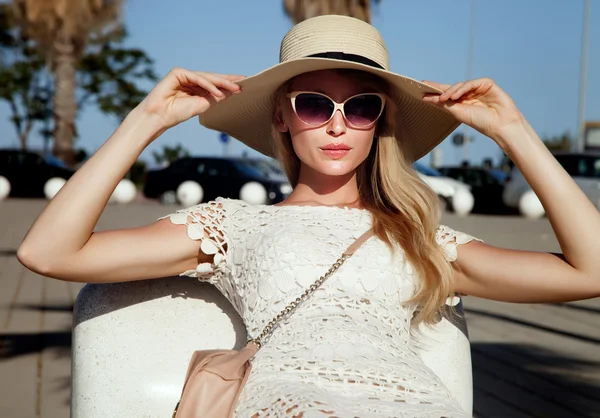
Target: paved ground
x=528 y=360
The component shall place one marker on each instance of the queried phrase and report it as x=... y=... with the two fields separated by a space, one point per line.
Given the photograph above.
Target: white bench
x=132 y=343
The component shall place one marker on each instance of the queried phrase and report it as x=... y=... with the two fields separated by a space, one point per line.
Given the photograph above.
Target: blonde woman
x=346 y=130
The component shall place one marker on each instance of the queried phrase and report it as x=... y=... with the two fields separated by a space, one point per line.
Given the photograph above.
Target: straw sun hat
x=330 y=42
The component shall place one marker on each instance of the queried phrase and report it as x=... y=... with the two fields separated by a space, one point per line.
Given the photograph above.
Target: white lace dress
x=347 y=351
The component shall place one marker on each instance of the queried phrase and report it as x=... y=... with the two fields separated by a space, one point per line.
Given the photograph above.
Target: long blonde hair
x=405 y=210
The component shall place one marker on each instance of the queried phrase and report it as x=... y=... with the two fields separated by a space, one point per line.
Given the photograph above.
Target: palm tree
x=299 y=10
x=62 y=30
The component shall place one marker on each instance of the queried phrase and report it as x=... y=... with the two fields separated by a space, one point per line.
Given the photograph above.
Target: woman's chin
x=339 y=167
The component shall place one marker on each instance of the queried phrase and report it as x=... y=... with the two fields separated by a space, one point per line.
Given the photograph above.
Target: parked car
x=269 y=167
x=275 y=166
x=455 y=195
x=236 y=178
x=273 y=170
x=584 y=168
x=28 y=172
x=487 y=186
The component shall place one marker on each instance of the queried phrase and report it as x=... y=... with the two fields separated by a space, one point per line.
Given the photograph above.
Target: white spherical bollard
x=530 y=205
x=463 y=202
x=124 y=192
x=190 y=193
x=4 y=188
x=253 y=193
x=52 y=187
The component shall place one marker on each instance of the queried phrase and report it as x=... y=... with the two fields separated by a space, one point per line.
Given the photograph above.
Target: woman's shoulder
x=217 y=207
x=219 y=211
x=449 y=239
x=445 y=234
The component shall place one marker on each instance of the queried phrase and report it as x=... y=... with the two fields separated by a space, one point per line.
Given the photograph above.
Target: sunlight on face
x=308 y=142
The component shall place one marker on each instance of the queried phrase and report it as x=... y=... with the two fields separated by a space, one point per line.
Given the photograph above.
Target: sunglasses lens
x=313 y=109
x=363 y=110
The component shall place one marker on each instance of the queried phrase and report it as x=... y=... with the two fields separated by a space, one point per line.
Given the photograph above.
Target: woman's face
x=311 y=143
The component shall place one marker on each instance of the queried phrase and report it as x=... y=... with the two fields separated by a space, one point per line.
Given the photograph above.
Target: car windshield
x=268 y=168
x=262 y=166
x=249 y=168
x=428 y=171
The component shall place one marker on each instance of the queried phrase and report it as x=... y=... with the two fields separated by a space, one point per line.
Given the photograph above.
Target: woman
x=346 y=130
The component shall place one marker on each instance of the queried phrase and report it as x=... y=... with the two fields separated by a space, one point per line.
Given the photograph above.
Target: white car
x=455 y=194
x=584 y=168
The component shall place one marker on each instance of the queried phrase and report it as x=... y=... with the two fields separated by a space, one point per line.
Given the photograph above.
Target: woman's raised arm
x=61 y=242
x=520 y=276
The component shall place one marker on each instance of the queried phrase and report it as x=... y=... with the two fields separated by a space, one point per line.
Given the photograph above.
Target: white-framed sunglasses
x=360 y=111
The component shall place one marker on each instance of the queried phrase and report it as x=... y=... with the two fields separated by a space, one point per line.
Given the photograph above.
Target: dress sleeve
x=205 y=222
x=449 y=240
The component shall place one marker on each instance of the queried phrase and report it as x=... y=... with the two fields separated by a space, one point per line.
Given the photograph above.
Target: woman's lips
x=335 y=153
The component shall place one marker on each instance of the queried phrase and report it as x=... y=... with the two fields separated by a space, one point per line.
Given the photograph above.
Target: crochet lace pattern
x=345 y=352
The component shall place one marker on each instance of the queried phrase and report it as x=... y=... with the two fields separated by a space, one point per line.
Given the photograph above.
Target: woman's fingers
x=222 y=82
x=182 y=94
x=431 y=98
x=454 y=92
x=213 y=84
x=200 y=93
x=465 y=88
x=205 y=84
x=446 y=95
x=188 y=79
x=477 y=86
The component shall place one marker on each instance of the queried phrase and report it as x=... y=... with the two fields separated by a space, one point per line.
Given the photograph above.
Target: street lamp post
x=470 y=59
x=583 y=77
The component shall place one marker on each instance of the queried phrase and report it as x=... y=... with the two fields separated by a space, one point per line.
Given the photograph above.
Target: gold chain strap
x=288 y=309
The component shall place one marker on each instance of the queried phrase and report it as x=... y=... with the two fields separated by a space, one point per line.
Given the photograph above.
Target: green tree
x=559 y=142
x=62 y=29
x=24 y=82
x=107 y=76
x=169 y=154
x=299 y=10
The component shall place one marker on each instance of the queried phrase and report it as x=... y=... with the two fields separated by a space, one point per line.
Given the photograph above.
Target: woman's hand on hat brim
x=479 y=103
x=183 y=94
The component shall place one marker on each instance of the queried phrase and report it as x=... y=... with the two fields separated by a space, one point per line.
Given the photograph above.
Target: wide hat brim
x=248 y=116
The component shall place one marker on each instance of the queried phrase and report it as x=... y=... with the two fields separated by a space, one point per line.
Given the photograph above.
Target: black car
x=486 y=185
x=217 y=176
x=27 y=171
x=270 y=167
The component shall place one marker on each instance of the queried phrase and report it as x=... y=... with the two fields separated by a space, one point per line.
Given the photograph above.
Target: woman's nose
x=337 y=124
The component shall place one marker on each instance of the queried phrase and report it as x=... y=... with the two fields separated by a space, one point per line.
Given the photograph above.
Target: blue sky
x=531 y=48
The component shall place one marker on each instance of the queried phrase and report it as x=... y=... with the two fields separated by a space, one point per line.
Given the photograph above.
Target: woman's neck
x=320 y=189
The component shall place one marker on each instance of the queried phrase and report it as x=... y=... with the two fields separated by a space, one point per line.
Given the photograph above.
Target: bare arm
x=61 y=242
x=160 y=249
x=520 y=276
